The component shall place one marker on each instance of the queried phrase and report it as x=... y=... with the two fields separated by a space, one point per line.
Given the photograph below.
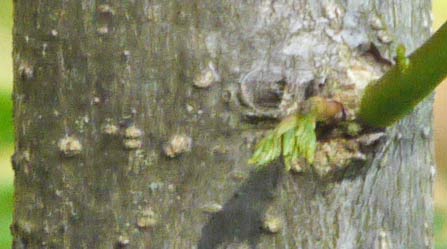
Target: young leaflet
x=295 y=138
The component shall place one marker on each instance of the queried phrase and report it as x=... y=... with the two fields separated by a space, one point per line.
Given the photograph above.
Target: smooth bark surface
x=102 y=88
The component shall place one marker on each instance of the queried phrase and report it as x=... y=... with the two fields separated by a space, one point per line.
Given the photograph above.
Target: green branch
x=406 y=84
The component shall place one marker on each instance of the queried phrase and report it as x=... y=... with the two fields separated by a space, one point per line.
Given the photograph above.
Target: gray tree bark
x=135 y=121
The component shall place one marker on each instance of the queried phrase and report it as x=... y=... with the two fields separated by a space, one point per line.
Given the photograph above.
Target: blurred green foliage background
x=7 y=140
x=6 y=130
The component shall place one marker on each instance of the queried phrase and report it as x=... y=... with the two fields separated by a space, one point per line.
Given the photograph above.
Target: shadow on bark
x=240 y=220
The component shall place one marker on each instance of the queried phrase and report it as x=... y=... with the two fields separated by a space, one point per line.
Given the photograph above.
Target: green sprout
x=292 y=139
x=402 y=60
x=295 y=138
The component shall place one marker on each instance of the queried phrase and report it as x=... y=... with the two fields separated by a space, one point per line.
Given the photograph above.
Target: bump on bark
x=70 y=146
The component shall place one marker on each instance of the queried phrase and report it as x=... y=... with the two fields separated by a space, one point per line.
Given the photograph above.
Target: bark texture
x=135 y=120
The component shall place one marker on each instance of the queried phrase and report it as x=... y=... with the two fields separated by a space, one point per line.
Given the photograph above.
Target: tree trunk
x=135 y=121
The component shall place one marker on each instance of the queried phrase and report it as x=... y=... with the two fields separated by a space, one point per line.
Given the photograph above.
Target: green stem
x=400 y=90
